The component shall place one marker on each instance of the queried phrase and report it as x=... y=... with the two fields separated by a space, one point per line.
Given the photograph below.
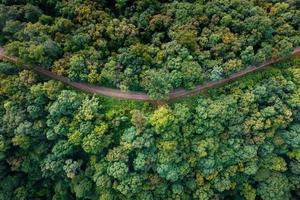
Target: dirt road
x=116 y=93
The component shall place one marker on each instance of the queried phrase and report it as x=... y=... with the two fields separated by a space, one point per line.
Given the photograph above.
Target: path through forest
x=175 y=94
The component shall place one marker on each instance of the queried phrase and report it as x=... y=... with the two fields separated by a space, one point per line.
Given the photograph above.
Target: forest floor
x=141 y=96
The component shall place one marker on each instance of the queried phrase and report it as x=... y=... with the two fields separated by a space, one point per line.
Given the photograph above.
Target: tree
x=78 y=42
x=157 y=83
x=274 y=187
x=161 y=119
x=52 y=49
x=117 y=170
x=96 y=141
x=8 y=69
x=237 y=141
x=66 y=103
x=83 y=187
x=12 y=27
x=31 y=12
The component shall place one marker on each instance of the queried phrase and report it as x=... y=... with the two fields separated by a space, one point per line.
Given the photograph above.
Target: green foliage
x=161 y=119
x=7 y=68
x=153 y=46
x=82 y=187
x=95 y=142
x=65 y=104
x=157 y=83
x=117 y=170
x=274 y=187
x=240 y=141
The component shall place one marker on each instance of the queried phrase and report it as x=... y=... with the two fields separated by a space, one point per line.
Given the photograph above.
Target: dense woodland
x=240 y=141
x=149 y=45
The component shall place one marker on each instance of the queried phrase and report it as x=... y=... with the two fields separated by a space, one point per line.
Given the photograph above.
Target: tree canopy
x=152 y=45
x=240 y=141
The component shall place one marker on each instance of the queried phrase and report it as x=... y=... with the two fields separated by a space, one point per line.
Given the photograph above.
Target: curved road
x=175 y=94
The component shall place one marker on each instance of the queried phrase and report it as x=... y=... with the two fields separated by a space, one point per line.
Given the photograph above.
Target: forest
x=148 y=45
x=239 y=141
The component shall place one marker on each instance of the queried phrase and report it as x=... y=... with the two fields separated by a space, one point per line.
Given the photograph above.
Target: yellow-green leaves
x=161 y=119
